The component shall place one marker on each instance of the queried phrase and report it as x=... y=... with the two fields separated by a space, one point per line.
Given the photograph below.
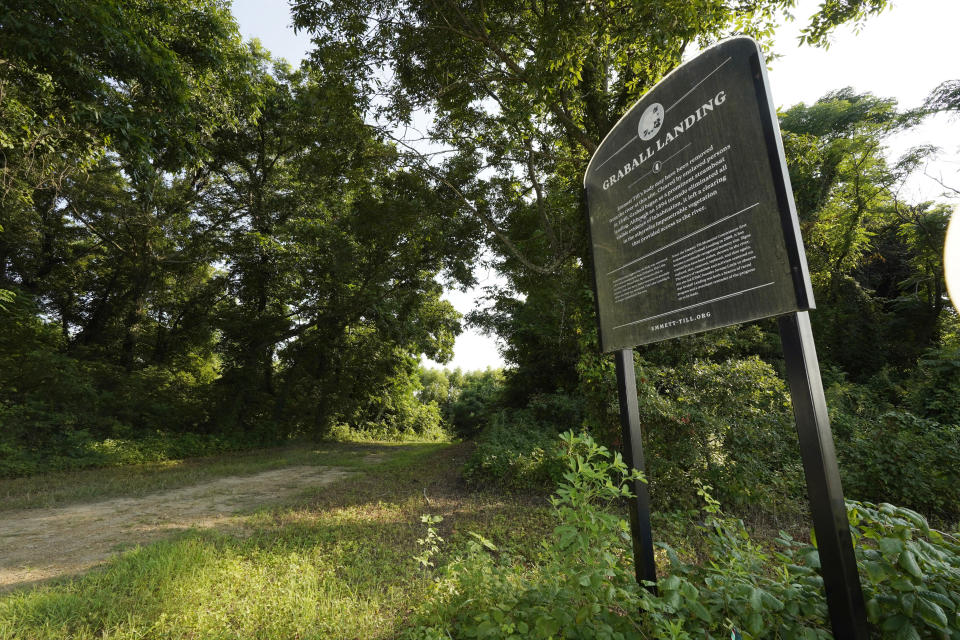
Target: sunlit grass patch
x=206 y=586
x=65 y=487
x=338 y=564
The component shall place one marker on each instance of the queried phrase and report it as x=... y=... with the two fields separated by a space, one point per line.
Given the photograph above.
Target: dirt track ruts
x=37 y=544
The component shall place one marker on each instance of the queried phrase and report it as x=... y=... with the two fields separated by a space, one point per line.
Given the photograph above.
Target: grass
x=64 y=487
x=339 y=564
x=336 y=563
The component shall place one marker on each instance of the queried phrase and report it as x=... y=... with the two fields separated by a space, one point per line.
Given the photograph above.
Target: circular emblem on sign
x=650 y=121
x=657 y=166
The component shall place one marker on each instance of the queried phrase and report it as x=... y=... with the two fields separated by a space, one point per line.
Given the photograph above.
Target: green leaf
x=938 y=598
x=755 y=623
x=547 y=626
x=700 y=611
x=907 y=602
x=891 y=546
x=932 y=614
x=909 y=564
x=877 y=571
x=486 y=628
x=771 y=601
x=566 y=535
x=907 y=632
x=688 y=591
x=812 y=559
x=894 y=623
x=903 y=584
x=583 y=613
x=670 y=584
x=873 y=610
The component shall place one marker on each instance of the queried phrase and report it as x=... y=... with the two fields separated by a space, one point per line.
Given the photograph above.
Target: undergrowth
x=581 y=584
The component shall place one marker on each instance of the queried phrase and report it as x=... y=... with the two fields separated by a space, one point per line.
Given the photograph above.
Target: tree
x=106 y=112
x=520 y=94
x=205 y=239
x=110 y=107
x=330 y=254
x=946 y=97
x=875 y=261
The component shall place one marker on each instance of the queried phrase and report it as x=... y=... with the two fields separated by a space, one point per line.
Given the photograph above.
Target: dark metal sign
x=693 y=227
x=691 y=215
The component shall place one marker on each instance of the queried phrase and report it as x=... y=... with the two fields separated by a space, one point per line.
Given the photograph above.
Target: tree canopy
x=200 y=238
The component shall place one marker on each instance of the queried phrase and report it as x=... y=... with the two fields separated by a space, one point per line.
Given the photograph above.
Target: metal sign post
x=838 y=564
x=640 y=529
x=693 y=227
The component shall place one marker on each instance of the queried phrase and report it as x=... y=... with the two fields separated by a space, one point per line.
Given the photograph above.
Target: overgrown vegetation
x=199 y=239
x=337 y=563
x=581 y=583
x=715 y=406
x=204 y=249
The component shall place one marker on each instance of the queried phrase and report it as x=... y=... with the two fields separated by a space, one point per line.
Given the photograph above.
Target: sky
x=903 y=53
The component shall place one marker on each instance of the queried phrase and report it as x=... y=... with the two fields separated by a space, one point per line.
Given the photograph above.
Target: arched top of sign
x=692 y=219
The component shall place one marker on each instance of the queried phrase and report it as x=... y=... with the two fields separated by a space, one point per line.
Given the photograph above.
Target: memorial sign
x=691 y=215
x=693 y=227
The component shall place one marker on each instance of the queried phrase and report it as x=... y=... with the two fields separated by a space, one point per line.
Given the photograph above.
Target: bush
x=900 y=457
x=577 y=589
x=933 y=389
x=478 y=397
x=581 y=585
x=727 y=423
x=910 y=572
x=84 y=451
x=518 y=449
x=514 y=454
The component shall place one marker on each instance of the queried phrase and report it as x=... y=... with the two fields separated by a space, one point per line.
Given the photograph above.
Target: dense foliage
x=199 y=239
x=581 y=585
x=517 y=95
x=887 y=339
x=204 y=248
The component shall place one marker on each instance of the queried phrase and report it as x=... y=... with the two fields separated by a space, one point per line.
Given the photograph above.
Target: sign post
x=693 y=227
x=640 y=528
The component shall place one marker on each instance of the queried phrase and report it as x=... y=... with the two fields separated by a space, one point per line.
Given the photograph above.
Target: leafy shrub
x=518 y=448
x=515 y=453
x=910 y=576
x=555 y=411
x=743 y=586
x=382 y=432
x=903 y=458
x=890 y=443
x=477 y=399
x=155 y=398
x=578 y=588
x=582 y=586
x=910 y=572
x=408 y=419
x=729 y=423
x=933 y=389
x=85 y=451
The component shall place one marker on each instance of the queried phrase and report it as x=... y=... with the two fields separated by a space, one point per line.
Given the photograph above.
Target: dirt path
x=36 y=544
